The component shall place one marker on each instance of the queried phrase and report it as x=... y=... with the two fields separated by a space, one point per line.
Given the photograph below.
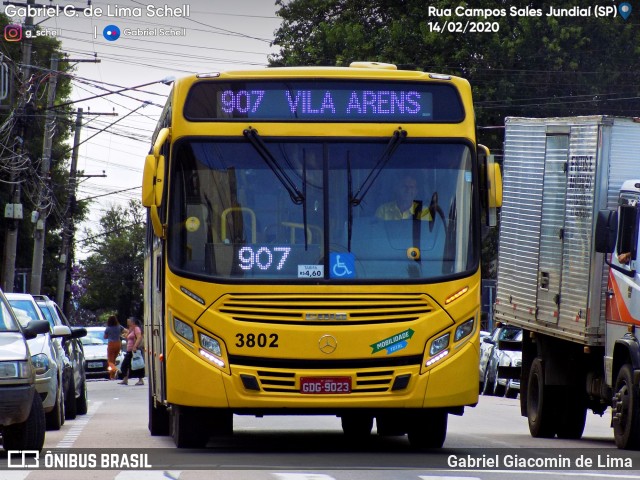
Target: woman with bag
x=112 y=334
x=130 y=366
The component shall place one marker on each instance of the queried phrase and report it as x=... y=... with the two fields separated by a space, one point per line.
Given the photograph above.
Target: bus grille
x=366 y=382
x=324 y=309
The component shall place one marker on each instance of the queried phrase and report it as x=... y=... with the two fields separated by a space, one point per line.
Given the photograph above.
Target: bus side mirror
x=606 y=231
x=148 y=181
x=491 y=185
x=153 y=182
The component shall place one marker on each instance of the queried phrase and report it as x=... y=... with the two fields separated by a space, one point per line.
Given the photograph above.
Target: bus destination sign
x=324 y=101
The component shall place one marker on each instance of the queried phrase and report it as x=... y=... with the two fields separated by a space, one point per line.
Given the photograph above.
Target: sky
x=170 y=38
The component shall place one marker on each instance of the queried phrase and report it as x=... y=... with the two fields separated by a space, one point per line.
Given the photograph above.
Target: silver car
x=74 y=378
x=47 y=357
x=22 y=418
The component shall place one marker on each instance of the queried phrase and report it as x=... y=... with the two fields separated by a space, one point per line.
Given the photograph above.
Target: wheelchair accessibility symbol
x=342 y=265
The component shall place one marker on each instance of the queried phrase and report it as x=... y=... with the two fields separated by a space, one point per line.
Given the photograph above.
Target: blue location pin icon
x=624 y=9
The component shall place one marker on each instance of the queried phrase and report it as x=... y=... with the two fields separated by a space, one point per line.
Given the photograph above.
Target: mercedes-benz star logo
x=327 y=344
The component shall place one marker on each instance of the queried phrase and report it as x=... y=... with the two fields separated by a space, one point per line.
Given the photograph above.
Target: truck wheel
x=572 y=413
x=428 y=430
x=540 y=402
x=626 y=420
x=188 y=428
x=356 y=425
x=28 y=435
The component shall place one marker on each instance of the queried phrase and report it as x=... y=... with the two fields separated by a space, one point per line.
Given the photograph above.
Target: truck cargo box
x=558 y=173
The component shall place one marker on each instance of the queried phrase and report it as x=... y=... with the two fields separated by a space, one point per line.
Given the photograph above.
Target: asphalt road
x=313 y=448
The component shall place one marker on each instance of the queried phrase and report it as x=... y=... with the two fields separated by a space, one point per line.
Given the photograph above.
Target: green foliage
x=533 y=66
x=112 y=276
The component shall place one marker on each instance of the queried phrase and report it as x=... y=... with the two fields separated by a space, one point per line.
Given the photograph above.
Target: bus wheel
x=572 y=413
x=428 y=429
x=540 y=403
x=158 y=418
x=626 y=420
x=188 y=428
x=357 y=425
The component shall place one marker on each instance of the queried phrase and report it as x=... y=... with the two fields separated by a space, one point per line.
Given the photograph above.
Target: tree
x=111 y=277
x=533 y=65
x=21 y=134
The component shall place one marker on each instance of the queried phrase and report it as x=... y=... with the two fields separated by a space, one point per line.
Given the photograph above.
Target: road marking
x=14 y=475
x=303 y=476
x=78 y=425
x=429 y=477
x=155 y=475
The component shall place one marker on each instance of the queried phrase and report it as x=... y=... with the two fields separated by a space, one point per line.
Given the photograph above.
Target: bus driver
x=405 y=205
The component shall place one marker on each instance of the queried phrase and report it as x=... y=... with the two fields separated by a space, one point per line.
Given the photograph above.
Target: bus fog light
x=437 y=358
x=439 y=344
x=463 y=330
x=212 y=358
x=184 y=330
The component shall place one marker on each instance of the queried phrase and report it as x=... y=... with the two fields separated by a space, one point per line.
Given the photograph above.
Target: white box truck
x=567 y=270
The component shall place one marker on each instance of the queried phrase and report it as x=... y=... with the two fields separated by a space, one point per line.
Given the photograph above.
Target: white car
x=47 y=357
x=509 y=358
x=95 y=352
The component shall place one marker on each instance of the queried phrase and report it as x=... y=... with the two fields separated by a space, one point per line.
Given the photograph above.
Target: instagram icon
x=13 y=33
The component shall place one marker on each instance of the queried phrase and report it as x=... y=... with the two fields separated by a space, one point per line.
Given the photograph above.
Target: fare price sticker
x=311 y=271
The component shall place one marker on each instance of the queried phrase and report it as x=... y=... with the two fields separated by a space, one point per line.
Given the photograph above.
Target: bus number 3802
x=260 y=340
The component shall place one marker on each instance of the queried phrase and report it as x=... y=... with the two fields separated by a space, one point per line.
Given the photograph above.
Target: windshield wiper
x=256 y=141
x=356 y=199
x=398 y=136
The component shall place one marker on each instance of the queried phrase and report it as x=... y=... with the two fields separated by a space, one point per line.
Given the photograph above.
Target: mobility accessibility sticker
x=393 y=343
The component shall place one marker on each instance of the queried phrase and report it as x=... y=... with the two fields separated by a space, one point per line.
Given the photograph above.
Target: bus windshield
x=352 y=218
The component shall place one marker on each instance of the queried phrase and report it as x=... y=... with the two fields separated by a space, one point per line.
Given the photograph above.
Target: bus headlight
x=439 y=344
x=41 y=363
x=211 y=346
x=184 y=330
x=438 y=351
x=463 y=330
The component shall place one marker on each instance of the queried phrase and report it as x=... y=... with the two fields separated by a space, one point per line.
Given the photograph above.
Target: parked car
x=22 y=417
x=509 y=358
x=47 y=356
x=486 y=349
x=95 y=352
x=490 y=359
x=75 y=385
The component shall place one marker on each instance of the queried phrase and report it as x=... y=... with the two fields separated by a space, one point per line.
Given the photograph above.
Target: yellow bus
x=314 y=249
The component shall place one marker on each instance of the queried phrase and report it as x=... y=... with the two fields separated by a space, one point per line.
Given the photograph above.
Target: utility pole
x=68 y=226
x=39 y=217
x=11 y=236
